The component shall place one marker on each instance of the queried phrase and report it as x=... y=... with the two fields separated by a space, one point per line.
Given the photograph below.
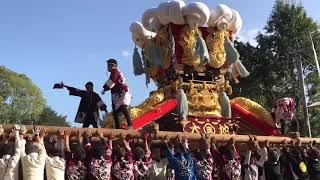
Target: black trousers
x=124 y=110
x=90 y=120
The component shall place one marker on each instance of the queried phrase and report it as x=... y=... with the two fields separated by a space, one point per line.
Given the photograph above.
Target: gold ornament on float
x=202 y=100
x=188 y=40
x=155 y=98
x=215 y=43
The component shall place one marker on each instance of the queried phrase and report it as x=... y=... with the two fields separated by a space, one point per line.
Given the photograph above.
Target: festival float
x=188 y=51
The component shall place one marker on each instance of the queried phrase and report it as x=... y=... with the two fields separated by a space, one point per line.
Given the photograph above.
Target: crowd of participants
x=86 y=157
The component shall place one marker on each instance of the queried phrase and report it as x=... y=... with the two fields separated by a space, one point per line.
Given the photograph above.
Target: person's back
x=272 y=166
x=272 y=171
x=75 y=169
x=12 y=169
x=33 y=163
x=122 y=168
x=204 y=165
x=293 y=163
x=181 y=161
x=227 y=160
x=143 y=160
x=55 y=168
x=314 y=163
x=9 y=164
x=55 y=163
x=298 y=163
x=34 y=157
x=314 y=168
x=98 y=158
x=203 y=161
x=254 y=162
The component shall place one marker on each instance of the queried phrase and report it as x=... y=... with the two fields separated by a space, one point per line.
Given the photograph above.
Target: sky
x=70 y=41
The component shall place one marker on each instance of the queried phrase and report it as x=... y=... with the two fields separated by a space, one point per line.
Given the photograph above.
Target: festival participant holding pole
x=120 y=93
x=88 y=111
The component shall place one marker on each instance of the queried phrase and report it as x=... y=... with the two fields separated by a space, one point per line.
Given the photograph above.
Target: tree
x=20 y=99
x=21 y=102
x=273 y=63
x=49 y=117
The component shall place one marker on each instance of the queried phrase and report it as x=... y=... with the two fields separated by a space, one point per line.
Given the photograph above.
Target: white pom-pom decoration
x=150 y=19
x=175 y=11
x=236 y=23
x=219 y=16
x=199 y=10
x=140 y=34
x=163 y=13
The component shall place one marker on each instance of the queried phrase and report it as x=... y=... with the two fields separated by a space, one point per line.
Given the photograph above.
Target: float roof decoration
x=177 y=11
x=175 y=35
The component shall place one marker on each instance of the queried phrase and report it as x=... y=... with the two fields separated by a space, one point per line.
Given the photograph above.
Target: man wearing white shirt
x=55 y=163
x=9 y=164
x=158 y=168
x=33 y=158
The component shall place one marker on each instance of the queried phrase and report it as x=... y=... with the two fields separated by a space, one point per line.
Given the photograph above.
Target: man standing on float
x=120 y=93
x=88 y=111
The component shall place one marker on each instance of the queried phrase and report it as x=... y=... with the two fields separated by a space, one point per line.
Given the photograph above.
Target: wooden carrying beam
x=162 y=134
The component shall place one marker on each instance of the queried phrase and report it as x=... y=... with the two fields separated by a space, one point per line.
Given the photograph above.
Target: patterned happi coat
x=120 y=92
x=182 y=165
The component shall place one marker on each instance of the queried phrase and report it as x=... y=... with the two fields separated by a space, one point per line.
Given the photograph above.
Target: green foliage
x=21 y=102
x=49 y=117
x=273 y=63
x=20 y=98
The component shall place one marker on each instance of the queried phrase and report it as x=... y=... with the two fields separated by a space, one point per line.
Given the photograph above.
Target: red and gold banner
x=210 y=125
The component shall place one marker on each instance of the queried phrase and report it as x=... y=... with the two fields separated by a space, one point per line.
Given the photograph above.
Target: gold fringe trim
x=254 y=108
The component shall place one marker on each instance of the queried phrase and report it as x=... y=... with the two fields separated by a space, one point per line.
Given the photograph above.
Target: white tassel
x=243 y=72
x=225 y=105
